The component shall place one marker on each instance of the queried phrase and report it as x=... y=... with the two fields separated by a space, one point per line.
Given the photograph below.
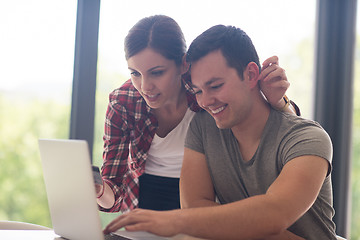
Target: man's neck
x=249 y=133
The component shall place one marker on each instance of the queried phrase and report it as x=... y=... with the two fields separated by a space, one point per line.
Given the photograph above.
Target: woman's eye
x=157 y=73
x=197 y=92
x=135 y=74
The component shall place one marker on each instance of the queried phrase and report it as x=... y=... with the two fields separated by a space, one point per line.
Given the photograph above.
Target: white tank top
x=165 y=155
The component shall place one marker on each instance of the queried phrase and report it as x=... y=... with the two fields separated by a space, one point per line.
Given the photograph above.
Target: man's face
x=220 y=91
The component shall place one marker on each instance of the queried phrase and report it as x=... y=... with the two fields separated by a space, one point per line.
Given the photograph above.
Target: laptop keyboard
x=115 y=237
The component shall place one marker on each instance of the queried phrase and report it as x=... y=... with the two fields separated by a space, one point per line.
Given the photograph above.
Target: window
x=355 y=173
x=37 y=56
x=37 y=47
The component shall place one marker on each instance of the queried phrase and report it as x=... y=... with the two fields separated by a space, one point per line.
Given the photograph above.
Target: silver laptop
x=71 y=193
x=70 y=189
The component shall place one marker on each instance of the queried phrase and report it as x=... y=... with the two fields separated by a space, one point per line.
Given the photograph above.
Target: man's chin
x=221 y=125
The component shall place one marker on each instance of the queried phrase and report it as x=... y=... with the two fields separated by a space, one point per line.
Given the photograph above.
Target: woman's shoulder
x=128 y=102
x=125 y=95
x=125 y=91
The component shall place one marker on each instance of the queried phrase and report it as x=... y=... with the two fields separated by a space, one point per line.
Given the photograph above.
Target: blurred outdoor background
x=37 y=55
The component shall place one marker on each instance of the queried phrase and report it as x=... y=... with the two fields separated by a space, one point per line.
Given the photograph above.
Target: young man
x=269 y=171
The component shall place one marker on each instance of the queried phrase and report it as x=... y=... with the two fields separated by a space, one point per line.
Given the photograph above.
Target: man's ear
x=251 y=74
x=184 y=65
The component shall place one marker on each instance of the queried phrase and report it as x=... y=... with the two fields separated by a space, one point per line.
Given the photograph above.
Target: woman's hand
x=99 y=188
x=273 y=82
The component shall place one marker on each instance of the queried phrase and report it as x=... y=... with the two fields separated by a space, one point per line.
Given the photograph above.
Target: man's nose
x=205 y=100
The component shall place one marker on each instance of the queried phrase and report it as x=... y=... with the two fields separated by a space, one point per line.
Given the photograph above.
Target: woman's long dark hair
x=159 y=32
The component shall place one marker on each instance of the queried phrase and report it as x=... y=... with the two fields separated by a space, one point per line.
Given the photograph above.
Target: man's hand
x=162 y=223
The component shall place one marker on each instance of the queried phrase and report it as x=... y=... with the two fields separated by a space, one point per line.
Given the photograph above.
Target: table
x=50 y=235
x=28 y=235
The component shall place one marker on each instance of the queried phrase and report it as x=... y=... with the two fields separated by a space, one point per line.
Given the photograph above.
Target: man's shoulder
x=292 y=121
x=294 y=127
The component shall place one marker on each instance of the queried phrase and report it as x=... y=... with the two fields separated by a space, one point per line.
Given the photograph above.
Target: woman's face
x=157 y=78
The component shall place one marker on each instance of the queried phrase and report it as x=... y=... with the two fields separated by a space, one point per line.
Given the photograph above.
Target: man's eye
x=197 y=92
x=217 y=86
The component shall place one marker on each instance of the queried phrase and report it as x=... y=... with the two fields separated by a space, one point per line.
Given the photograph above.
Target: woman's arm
x=274 y=84
x=115 y=155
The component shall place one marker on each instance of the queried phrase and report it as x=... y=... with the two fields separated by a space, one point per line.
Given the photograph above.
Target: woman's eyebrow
x=156 y=67
x=149 y=70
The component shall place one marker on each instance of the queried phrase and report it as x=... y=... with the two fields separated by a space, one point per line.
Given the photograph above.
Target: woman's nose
x=146 y=85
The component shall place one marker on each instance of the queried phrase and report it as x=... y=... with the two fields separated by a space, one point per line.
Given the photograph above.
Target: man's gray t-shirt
x=284 y=138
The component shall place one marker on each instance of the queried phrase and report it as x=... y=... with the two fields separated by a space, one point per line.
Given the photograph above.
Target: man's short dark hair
x=234 y=43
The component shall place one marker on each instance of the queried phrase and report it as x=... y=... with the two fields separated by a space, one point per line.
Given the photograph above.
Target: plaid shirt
x=130 y=126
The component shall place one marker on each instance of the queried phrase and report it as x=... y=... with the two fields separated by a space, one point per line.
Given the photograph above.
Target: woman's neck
x=170 y=115
x=176 y=104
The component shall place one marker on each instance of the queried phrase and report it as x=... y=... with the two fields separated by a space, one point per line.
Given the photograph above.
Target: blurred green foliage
x=355 y=173
x=23 y=122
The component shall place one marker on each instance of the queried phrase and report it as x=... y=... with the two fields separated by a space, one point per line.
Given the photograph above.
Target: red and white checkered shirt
x=130 y=126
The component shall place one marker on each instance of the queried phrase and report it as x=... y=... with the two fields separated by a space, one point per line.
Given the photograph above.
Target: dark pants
x=159 y=193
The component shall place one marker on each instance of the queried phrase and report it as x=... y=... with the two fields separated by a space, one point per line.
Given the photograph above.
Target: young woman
x=148 y=116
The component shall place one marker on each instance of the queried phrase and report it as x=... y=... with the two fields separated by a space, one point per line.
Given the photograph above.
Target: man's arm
x=196 y=188
x=262 y=216
x=257 y=217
